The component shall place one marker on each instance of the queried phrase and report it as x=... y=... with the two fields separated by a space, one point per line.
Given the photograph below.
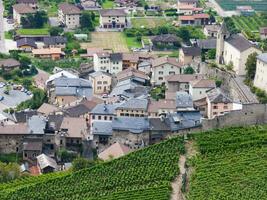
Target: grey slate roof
x=72 y=82
x=191 y=51
x=10 y=62
x=112 y=12
x=102 y=128
x=55 y=40
x=239 y=42
x=189 y=1
x=183 y=120
x=207 y=43
x=32 y=146
x=23 y=116
x=76 y=111
x=37 y=124
x=114 y=57
x=134 y=103
x=262 y=57
x=165 y=38
x=54 y=122
x=131 y=124
x=105 y=109
x=26 y=41
x=156 y=124
x=217 y=96
x=99 y=73
x=183 y=100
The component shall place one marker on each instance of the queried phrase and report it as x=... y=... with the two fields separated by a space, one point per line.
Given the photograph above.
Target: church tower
x=222 y=35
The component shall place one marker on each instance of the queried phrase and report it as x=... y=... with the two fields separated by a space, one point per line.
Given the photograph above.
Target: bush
x=81 y=163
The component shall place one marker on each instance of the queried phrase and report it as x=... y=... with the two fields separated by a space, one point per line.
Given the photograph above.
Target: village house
x=21 y=10
x=108 y=62
x=32 y=3
x=72 y=132
x=263 y=33
x=26 y=44
x=180 y=82
x=113 y=19
x=133 y=75
x=211 y=30
x=233 y=50
x=260 y=80
x=189 y=10
x=114 y=151
x=130 y=60
x=9 y=64
x=200 y=19
x=55 y=42
x=69 y=15
x=161 y=107
x=199 y=88
x=103 y=112
x=101 y=82
x=90 y=5
x=48 y=53
x=164 y=66
x=218 y=103
x=165 y=41
x=46 y=164
x=188 y=55
x=31 y=149
x=134 y=107
x=64 y=91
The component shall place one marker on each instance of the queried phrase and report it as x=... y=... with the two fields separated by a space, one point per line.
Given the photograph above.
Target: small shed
x=46 y=164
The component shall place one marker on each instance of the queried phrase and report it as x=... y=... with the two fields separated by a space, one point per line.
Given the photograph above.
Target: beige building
x=101 y=82
x=133 y=108
x=21 y=10
x=164 y=66
x=69 y=15
x=161 y=107
x=260 y=80
x=218 y=103
x=188 y=55
x=108 y=62
x=233 y=50
x=113 y=19
x=199 y=88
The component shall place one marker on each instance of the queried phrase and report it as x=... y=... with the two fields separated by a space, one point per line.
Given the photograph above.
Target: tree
x=27 y=83
x=56 y=31
x=211 y=54
x=8 y=172
x=36 y=20
x=184 y=34
x=189 y=70
x=81 y=163
x=251 y=66
x=86 y=21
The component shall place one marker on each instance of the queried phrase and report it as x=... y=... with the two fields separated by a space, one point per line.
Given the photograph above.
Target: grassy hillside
x=232 y=164
x=145 y=174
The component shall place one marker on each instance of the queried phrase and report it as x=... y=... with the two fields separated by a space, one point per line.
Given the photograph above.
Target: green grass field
x=108 y=4
x=41 y=31
x=258 y=5
x=148 y=22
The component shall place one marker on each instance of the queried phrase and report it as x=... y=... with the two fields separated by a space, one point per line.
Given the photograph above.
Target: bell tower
x=222 y=35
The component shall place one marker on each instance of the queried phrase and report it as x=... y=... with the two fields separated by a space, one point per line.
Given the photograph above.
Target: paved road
x=213 y=4
x=2 y=33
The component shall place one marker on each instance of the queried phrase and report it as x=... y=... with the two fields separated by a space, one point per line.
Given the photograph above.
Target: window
x=160 y=72
x=160 y=78
x=110 y=118
x=93 y=117
x=99 y=117
x=214 y=113
x=98 y=87
x=105 y=82
x=99 y=82
x=215 y=107
x=105 y=117
x=171 y=73
x=225 y=107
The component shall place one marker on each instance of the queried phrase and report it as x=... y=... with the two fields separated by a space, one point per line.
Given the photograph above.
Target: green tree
x=189 y=70
x=86 y=21
x=211 y=54
x=56 y=31
x=27 y=83
x=8 y=172
x=81 y=163
x=251 y=66
x=184 y=34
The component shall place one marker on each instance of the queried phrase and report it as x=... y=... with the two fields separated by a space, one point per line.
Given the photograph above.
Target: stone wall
x=251 y=114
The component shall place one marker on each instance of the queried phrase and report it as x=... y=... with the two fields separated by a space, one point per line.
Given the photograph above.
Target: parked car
x=29 y=93
x=2 y=84
x=1 y=98
x=17 y=87
x=105 y=96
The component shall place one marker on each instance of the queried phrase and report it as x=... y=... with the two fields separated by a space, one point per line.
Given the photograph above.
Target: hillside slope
x=145 y=174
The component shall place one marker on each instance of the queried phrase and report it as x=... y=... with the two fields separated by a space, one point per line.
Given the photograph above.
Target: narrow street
x=2 y=32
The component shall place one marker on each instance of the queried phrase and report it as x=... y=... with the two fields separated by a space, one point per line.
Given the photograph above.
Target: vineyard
x=232 y=164
x=145 y=174
x=258 y=5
